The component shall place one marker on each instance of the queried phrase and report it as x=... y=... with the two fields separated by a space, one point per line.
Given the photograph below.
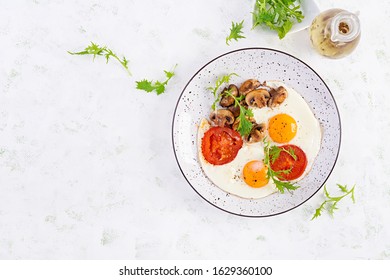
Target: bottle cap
x=344 y=27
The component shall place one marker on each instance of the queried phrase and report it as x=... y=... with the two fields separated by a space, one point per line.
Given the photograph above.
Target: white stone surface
x=87 y=169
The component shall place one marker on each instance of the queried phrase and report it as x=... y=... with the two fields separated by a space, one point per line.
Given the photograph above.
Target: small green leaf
x=291 y=152
x=274 y=153
x=343 y=188
x=125 y=62
x=235 y=32
x=160 y=87
x=169 y=74
x=96 y=50
x=244 y=126
x=145 y=85
x=332 y=208
x=317 y=213
x=271 y=154
x=219 y=82
x=332 y=201
x=278 y=15
x=157 y=86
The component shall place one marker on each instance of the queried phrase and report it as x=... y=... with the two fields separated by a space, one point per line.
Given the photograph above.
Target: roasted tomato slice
x=220 y=145
x=286 y=162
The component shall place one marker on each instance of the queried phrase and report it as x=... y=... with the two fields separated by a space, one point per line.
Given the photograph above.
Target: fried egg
x=292 y=122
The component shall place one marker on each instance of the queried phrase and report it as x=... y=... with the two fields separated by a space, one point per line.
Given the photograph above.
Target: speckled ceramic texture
x=263 y=64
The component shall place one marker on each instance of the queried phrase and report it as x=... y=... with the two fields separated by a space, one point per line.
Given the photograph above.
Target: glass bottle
x=335 y=33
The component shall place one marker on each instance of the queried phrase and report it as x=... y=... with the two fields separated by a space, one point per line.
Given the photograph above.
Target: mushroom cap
x=257 y=133
x=277 y=97
x=222 y=117
x=227 y=100
x=235 y=110
x=248 y=86
x=257 y=98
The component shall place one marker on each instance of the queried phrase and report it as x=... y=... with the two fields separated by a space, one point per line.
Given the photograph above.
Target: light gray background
x=87 y=169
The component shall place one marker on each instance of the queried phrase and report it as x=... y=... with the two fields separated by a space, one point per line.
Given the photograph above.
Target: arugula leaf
x=157 y=86
x=220 y=81
x=282 y=185
x=319 y=210
x=235 y=32
x=291 y=152
x=278 y=15
x=275 y=153
x=244 y=126
x=145 y=85
x=96 y=50
x=271 y=153
x=343 y=188
x=332 y=208
x=333 y=200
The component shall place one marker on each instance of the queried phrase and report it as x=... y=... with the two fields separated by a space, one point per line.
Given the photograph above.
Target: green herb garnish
x=330 y=204
x=235 y=32
x=244 y=125
x=271 y=154
x=274 y=153
x=96 y=50
x=220 y=81
x=278 y=15
x=157 y=86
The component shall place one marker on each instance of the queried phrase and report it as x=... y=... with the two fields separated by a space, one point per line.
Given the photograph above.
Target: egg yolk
x=282 y=128
x=255 y=174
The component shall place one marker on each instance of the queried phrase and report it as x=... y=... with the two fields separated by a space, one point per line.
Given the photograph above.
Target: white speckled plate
x=263 y=64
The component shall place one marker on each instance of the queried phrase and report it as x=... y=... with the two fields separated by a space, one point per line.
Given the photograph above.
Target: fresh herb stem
x=332 y=201
x=245 y=126
x=235 y=32
x=278 y=15
x=96 y=50
x=271 y=153
x=220 y=81
x=157 y=86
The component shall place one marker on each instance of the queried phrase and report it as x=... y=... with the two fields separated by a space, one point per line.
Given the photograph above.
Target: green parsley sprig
x=244 y=125
x=330 y=204
x=220 y=81
x=275 y=151
x=271 y=153
x=96 y=50
x=235 y=32
x=157 y=86
x=278 y=15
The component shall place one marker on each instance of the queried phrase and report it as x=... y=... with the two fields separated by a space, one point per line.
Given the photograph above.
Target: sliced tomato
x=285 y=161
x=220 y=145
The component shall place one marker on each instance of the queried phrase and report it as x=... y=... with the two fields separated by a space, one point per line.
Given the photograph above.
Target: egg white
x=309 y=134
x=229 y=176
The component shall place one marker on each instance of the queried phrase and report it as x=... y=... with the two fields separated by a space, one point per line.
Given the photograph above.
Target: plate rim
x=174 y=117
